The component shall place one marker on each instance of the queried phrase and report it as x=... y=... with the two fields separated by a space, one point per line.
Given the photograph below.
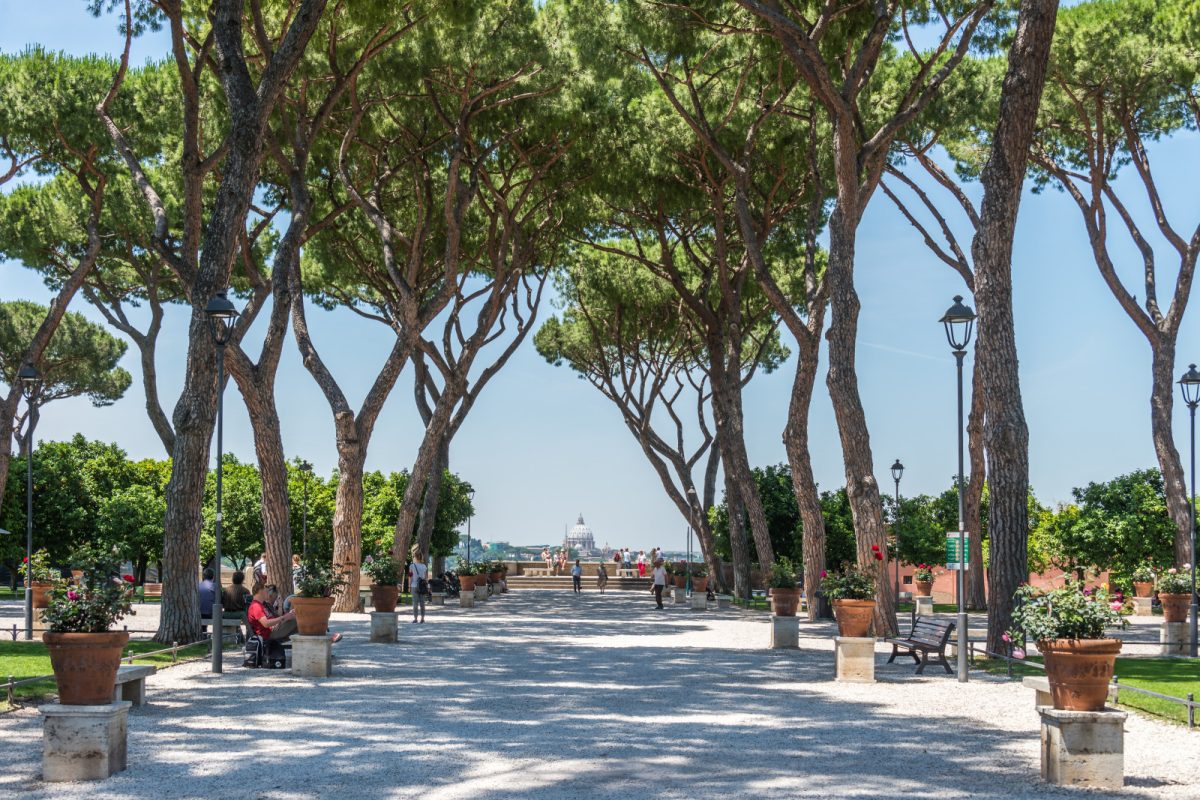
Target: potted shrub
x=84 y=653
x=1175 y=593
x=40 y=576
x=495 y=570
x=852 y=593
x=385 y=581
x=679 y=574
x=1143 y=581
x=699 y=578
x=314 y=597
x=1068 y=625
x=923 y=575
x=781 y=582
x=466 y=576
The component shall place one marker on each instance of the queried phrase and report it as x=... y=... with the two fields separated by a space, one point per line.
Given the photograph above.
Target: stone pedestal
x=312 y=656
x=785 y=632
x=383 y=627
x=1175 y=638
x=1041 y=689
x=679 y=595
x=1143 y=606
x=466 y=599
x=83 y=743
x=481 y=592
x=723 y=601
x=854 y=658
x=699 y=601
x=924 y=606
x=1083 y=748
x=437 y=599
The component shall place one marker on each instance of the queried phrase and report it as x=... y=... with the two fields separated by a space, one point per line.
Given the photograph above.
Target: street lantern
x=897 y=471
x=959 y=321
x=31 y=383
x=1189 y=384
x=221 y=315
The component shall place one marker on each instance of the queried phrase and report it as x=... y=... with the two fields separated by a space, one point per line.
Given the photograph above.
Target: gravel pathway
x=544 y=695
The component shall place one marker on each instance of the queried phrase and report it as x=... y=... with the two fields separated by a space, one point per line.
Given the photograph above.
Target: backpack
x=267 y=653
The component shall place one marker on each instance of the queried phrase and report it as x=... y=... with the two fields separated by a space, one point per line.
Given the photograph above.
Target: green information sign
x=953 y=558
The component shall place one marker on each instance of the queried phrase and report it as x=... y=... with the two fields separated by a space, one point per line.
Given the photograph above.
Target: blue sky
x=542 y=446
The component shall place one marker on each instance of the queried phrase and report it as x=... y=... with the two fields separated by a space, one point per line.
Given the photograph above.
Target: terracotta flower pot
x=384 y=597
x=924 y=588
x=784 y=602
x=41 y=594
x=466 y=583
x=1175 y=606
x=680 y=580
x=854 y=616
x=77 y=576
x=312 y=615
x=1079 y=671
x=1143 y=588
x=85 y=665
x=700 y=584
x=495 y=576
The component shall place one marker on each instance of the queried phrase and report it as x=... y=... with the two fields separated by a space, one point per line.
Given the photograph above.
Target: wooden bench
x=151 y=590
x=131 y=683
x=928 y=635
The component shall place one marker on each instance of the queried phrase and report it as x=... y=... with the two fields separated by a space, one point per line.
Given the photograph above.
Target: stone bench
x=724 y=600
x=536 y=571
x=228 y=624
x=437 y=598
x=131 y=683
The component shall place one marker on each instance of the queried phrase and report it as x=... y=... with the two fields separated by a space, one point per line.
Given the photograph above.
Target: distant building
x=580 y=539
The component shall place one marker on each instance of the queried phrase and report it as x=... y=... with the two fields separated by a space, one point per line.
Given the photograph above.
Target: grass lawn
x=1175 y=677
x=938 y=608
x=23 y=659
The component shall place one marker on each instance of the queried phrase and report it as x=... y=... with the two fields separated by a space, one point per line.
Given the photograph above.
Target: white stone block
x=437 y=599
x=1041 y=689
x=312 y=656
x=481 y=592
x=679 y=595
x=785 y=632
x=1175 y=638
x=83 y=743
x=1083 y=748
x=854 y=658
x=724 y=601
x=383 y=627
x=1143 y=606
x=924 y=606
x=466 y=599
x=699 y=601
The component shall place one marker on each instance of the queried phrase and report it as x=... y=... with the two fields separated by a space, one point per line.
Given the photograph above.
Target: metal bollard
x=174 y=651
x=1116 y=689
x=1191 y=696
x=11 y=698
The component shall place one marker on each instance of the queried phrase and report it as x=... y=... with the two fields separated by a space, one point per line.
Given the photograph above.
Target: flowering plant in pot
x=466 y=576
x=1143 y=580
x=385 y=581
x=314 y=596
x=781 y=580
x=699 y=578
x=40 y=576
x=1175 y=593
x=1069 y=625
x=84 y=653
x=852 y=593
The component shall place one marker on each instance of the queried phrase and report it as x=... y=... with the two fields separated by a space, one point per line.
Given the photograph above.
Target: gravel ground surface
x=547 y=695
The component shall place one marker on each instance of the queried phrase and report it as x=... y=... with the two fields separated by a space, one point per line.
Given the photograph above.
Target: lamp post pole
x=306 y=470
x=1190 y=385
x=691 y=496
x=220 y=313
x=471 y=494
x=897 y=471
x=30 y=380
x=958 y=321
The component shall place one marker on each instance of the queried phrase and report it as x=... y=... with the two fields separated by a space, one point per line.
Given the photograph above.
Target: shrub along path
x=550 y=696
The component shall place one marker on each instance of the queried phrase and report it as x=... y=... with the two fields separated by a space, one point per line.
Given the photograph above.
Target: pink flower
x=1018 y=652
x=875 y=547
x=72 y=594
x=824 y=574
x=1115 y=605
x=1006 y=638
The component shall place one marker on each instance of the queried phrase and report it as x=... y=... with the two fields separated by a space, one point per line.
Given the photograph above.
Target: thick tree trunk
x=973 y=498
x=1162 y=404
x=427 y=455
x=1006 y=436
x=804 y=484
x=347 y=515
x=272 y=468
x=866 y=508
x=429 y=504
x=738 y=546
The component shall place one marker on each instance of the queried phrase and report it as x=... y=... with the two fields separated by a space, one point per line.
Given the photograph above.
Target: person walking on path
x=641 y=562
x=659 y=577
x=601 y=577
x=418 y=584
x=577 y=577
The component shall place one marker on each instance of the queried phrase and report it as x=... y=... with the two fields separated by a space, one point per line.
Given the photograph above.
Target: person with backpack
x=601 y=577
x=418 y=584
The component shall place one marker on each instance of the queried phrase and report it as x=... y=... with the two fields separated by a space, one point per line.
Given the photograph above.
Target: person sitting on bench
x=261 y=619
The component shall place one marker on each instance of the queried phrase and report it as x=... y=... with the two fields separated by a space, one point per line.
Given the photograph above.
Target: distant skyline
x=542 y=446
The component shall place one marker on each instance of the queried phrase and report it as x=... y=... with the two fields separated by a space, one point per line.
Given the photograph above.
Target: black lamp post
x=31 y=382
x=959 y=320
x=897 y=471
x=305 y=470
x=1190 y=385
x=221 y=314
x=692 y=503
x=471 y=495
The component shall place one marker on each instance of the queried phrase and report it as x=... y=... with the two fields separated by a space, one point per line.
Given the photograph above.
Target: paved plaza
x=551 y=695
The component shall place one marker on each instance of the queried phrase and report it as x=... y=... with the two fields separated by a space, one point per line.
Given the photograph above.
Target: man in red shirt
x=260 y=618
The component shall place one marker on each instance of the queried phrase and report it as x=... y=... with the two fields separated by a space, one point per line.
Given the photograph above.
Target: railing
x=1115 y=688
x=11 y=684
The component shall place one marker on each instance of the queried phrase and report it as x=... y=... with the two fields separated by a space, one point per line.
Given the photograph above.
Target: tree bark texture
x=429 y=504
x=738 y=545
x=1162 y=404
x=973 y=499
x=1006 y=436
x=804 y=484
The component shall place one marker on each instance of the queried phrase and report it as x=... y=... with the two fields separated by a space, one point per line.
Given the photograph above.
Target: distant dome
x=580 y=537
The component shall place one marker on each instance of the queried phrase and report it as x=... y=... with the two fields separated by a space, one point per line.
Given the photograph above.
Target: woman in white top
x=418 y=582
x=659 y=578
x=641 y=562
